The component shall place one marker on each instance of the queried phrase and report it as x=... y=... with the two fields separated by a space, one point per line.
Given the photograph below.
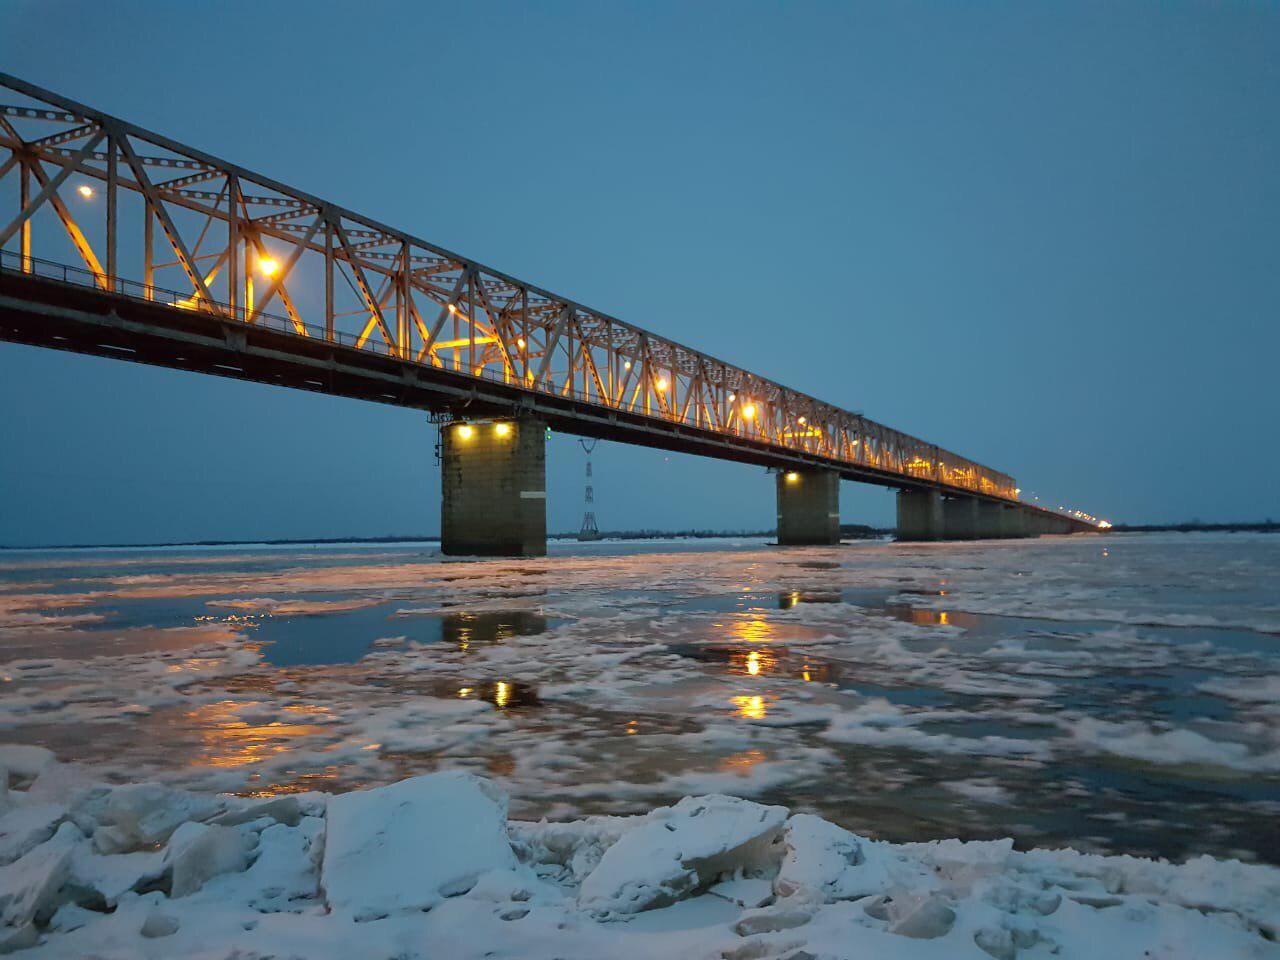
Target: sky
x=1041 y=235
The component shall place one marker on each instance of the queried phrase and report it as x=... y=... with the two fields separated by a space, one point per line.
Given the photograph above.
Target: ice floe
x=432 y=866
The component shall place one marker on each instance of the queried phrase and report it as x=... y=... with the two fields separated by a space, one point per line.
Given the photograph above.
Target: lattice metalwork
x=148 y=216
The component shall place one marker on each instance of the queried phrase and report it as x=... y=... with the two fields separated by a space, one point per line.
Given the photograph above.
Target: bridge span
x=187 y=261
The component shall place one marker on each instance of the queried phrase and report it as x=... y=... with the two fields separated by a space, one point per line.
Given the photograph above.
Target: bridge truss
x=151 y=219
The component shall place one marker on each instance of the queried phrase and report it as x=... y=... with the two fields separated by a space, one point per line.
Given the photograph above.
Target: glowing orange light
x=660 y=384
x=753 y=663
x=453 y=308
x=520 y=343
x=750 y=708
x=85 y=191
x=792 y=477
x=626 y=365
x=749 y=411
x=802 y=421
x=502 y=429
x=464 y=432
x=269 y=266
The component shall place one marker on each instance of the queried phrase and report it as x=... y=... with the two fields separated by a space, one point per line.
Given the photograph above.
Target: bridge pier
x=808 y=508
x=920 y=515
x=494 y=485
x=1013 y=521
x=960 y=518
x=989 y=517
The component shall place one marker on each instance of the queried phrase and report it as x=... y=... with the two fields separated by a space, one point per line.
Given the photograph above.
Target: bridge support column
x=920 y=515
x=1013 y=522
x=960 y=518
x=989 y=517
x=494 y=484
x=808 y=508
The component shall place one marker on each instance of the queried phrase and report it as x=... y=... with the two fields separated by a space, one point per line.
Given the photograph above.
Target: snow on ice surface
x=431 y=867
x=409 y=845
x=870 y=684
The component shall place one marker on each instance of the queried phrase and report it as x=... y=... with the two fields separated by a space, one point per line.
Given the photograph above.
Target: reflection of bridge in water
x=191 y=262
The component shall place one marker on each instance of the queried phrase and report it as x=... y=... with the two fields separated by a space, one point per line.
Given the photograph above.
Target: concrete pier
x=920 y=515
x=808 y=508
x=494 y=481
x=1013 y=522
x=989 y=520
x=960 y=518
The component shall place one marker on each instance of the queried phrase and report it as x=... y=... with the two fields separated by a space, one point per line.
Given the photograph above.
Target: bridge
x=124 y=243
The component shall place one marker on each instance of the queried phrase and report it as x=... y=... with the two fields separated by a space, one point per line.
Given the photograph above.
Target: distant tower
x=589 y=529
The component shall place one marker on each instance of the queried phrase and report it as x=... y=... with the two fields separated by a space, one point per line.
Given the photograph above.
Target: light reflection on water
x=750 y=707
x=229 y=740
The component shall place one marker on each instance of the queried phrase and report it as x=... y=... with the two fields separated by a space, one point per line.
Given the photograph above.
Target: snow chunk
x=923 y=917
x=287 y=868
x=114 y=876
x=1136 y=740
x=141 y=816
x=749 y=892
x=199 y=851
x=29 y=887
x=24 y=828
x=825 y=862
x=679 y=849
x=24 y=760
x=409 y=845
x=158 y=925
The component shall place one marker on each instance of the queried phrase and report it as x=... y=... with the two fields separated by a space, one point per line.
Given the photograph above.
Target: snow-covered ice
x=431 y=867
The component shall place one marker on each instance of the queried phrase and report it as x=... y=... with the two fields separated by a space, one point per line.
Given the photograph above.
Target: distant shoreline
x=330 y=541
x=847 y=531
x=1265 y=527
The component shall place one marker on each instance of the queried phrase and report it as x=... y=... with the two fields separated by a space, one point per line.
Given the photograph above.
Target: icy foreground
x=431 y=867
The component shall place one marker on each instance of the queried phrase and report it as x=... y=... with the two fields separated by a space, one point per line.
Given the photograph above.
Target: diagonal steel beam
x=166 y=222
x=50 y=187
x=277 y=282
x=361 y=280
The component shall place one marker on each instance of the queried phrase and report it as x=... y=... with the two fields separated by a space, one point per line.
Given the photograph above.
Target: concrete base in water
x=808 y=508
x=1013 y=522
x=494 y=484
x=960 y=518
x=920 y=515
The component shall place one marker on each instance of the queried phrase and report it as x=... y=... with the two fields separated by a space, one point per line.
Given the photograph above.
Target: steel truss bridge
x=187 y=261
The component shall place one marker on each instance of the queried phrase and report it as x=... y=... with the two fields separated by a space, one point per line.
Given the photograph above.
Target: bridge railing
x=252 y=250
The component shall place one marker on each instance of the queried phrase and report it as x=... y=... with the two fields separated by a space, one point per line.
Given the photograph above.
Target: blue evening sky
x=1044 y=235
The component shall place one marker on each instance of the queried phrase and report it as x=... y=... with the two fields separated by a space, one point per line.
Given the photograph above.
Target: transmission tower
x=589 y=529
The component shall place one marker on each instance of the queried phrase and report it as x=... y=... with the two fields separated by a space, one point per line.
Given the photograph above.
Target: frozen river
x=1115 y=694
